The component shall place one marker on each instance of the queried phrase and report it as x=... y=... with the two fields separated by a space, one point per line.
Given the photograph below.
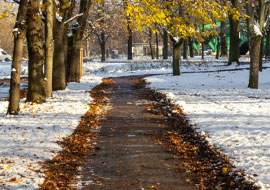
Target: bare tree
x=105 y=21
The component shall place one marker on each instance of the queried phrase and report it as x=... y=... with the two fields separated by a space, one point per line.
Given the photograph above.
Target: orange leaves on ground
x=178 y=110
x=107 y=81
x=14 y=180
x=205 y=165
x=62 y=170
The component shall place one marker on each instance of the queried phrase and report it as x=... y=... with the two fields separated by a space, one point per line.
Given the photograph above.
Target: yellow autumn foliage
x=181 y=18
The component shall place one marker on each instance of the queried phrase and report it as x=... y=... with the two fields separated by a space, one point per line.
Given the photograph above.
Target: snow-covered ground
x=219 y=103
x=6 y=66
x=31 y=137
x=237 y=119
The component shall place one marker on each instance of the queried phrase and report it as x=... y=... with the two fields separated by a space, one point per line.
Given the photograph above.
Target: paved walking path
x=128 y=154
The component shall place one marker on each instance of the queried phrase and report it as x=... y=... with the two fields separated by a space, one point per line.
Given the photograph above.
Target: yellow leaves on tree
x=181 y=18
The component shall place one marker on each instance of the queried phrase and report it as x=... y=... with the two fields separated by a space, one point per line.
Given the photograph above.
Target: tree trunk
x=102 y=46
x=59 y=69
x=254 y=62
x=176 y=57
x=129 y=43
x=202 y=50
x=261 y=55
x=234 y=52
x=165 y=44
x=34 y=34
x=19 y=38
x=157 y=51
x=202 y=44
x=255 y=28
x=223 y=44
x=185 y=47
x=267 y=45
x=191 y=49
x=218 y=48
x=49 y=46
x=150 y=44
x=74 y=62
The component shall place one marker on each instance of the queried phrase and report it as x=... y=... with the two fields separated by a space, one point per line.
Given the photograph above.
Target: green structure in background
x=213 y=43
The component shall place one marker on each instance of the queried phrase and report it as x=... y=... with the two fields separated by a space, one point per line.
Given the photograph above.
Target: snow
x=236 y=118
x=257 y=30
x=5 y=69
x=218 y=103
x=58 y=17
x=31 y=137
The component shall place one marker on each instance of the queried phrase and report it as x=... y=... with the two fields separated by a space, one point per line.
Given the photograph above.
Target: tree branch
x=73 y=18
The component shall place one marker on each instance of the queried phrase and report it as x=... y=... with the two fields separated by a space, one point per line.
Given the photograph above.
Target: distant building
x=143 y=49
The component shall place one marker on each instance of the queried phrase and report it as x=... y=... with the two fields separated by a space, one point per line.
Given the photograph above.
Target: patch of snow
x=257 y=30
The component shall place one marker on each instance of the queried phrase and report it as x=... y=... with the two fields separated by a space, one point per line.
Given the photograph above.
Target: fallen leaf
x=224 y=170
x=14 y=180
x=7 y=168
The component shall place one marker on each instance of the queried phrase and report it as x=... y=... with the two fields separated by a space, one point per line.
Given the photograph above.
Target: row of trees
x=184 y=20
x=62 y=25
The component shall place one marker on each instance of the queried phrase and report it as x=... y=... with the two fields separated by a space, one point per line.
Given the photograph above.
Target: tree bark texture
x=267 y=45
x=165 y=44
x=218 y=48
x=129 y=43
x=255 y=27
x=150 y=44
x=202 y=50
x=49 y=46
x=19 y=38
x=59 y=70
x=34 y=34
x=223 y=44
x=61 y=46
x=234 y=52
x=102 y=46
x=74 y=62
x=191 y=49
x=185 y=50
x=176 y=57
x=261 y=55
x=254 y=62
x=157 y=50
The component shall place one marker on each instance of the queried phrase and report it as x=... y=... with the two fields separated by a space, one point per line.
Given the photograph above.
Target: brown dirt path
x=129 y=154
